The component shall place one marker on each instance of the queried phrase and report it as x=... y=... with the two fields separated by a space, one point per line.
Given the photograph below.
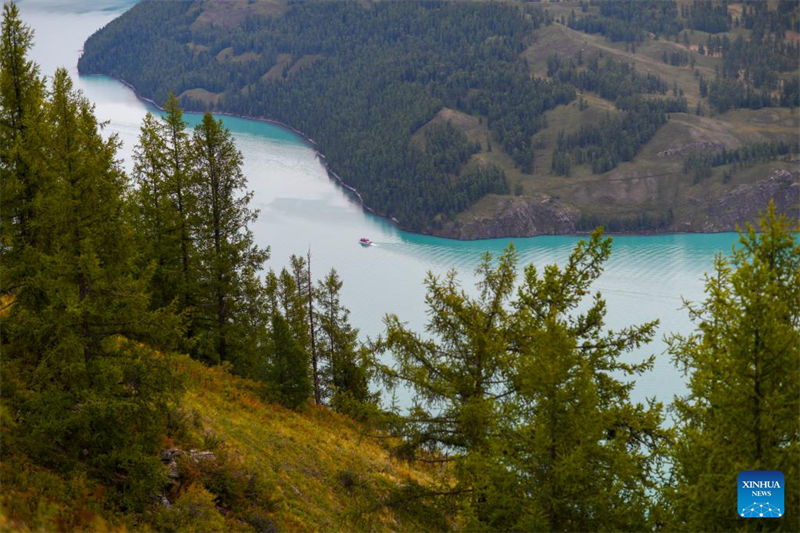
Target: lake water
x=301 y=208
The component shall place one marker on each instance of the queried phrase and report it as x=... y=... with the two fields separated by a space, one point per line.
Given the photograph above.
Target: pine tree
x=84 y=386
x=21 y=106
x=345 y=369
x=227 y=257
x=288 y=372
x=743 y=363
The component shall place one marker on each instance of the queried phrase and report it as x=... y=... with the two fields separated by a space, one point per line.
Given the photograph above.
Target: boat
x=363 y=241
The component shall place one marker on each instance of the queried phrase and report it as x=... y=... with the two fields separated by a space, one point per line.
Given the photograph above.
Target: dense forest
x=522 y=408
x=364 y=79
x=361 y=80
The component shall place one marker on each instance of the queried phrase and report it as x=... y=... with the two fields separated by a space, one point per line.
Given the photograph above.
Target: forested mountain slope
x=486 y=119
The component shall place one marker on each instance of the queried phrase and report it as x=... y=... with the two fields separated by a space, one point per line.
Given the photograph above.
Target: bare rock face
x=170 y=458
x=518 y=216
x=745 y=202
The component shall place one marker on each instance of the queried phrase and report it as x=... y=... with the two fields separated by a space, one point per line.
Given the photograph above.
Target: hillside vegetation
x=551 y=117
x=270 y=469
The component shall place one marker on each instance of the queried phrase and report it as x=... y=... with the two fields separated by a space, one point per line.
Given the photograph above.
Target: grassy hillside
x=654 y=181
x=272 y=470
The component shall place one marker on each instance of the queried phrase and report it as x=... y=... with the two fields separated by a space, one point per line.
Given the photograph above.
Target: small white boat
x=363 y=241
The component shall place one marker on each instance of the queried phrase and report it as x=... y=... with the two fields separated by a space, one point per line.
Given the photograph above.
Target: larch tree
x=181 y=186
x=80 y=365
x=343 y=363
x=301 y=318
x=154 y=213
x=522 y=392
x=227 y=256
x=288 y=369
x=21 y=107
x=743 y=364
x=458 y=376
x=583 y=455
x=166 y=206
x=287 y=361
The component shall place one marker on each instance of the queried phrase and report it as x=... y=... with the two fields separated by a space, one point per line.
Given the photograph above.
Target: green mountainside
x=486 y=119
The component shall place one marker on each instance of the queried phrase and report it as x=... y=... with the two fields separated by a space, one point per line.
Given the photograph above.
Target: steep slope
x=235 y=462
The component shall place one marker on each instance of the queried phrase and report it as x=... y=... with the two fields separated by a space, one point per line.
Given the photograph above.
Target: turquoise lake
x=301 y=208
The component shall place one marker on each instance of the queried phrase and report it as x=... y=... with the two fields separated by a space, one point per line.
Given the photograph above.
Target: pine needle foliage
x=743 y=365
x=80 y=372
x=521 y=392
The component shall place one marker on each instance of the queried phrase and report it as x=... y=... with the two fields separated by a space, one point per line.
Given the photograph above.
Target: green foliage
x=192 y=218
x=590 y=456
x=521 y=395
x=195 y=511
x=347 y=373
x=89 y=394
x=743 y=364
x=615 y=139
x=21 y=96
x=709 y=16
x=611 y=79
x=165 y=203
x=225 y=248
x=323 y=342
x=288 y=372
x=628 y=20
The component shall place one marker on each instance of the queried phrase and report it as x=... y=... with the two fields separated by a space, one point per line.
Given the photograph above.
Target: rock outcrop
x=170 y=457
x=517 y=216
x=745 y=202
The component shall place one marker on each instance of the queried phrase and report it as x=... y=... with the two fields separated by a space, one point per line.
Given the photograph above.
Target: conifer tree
x=292 y=294
x=181 y=184
x=166 y=207
x=743 y=363
x=155 y=214
x=228 y=259
x=523 y=396
x=301 y=318
x=84 y=387
x=457 y=379
x=345 y=369
x=21 y=107
x=582 y=454
x=288 y=372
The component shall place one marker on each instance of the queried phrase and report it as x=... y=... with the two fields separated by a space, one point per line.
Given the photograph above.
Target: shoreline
x=308 y=140
x=352 y=191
